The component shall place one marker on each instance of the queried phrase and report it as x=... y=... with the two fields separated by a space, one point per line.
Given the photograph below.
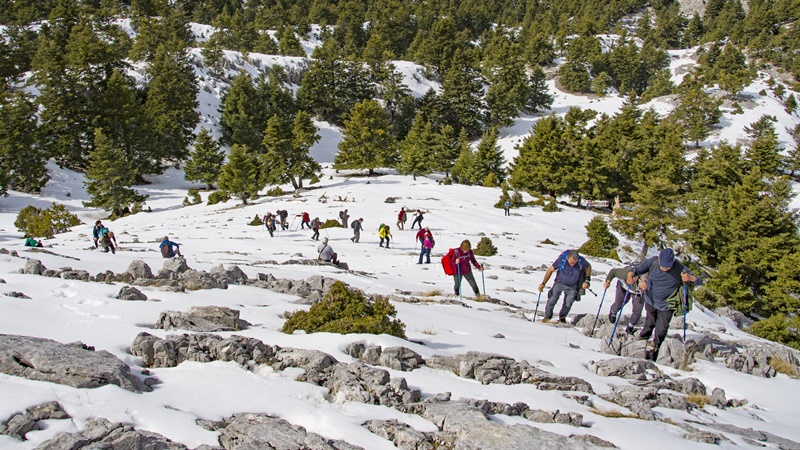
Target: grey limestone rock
x=157 y=352
x=203 y=319
x=99 y=433
x=630 y=368
x=33 y=267
x=139 y=269
x=402 y=435
x=18 y=426
x=131 y=293
x=717 y=398
x=742 y=321
x=70 y=274
x=48 y=360
x=195 y=280
x=175 y=265
x=259 y=431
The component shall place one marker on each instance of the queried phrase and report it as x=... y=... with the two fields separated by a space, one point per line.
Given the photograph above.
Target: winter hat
x=325 y=240
x=666 y=258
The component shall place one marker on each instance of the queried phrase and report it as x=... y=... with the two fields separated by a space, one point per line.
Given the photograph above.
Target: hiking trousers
x=425 y=252
x=470 y=279
x=416 y=221
x=659 y=321
x=314 y=236
x=356 y=236
x=570 y=294
x=637 y=299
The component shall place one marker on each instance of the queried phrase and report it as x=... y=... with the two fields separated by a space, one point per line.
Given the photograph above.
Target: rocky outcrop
x=21 y=423
x=33 y=267
x=740 y=320
x=397 y=358
x=99 y=433
x=204 y=319
x=629 y=368
x=71 y=364
x=130 y=293
x=402 y=435
x=139 y=269
x=310 y=290
x=260 y=431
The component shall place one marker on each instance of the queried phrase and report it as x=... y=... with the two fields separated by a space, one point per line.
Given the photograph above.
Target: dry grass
x=429 y=330
x=480 y=298
x=698 y=399
x=432 y=293
x=782 y=366
x=612 y=414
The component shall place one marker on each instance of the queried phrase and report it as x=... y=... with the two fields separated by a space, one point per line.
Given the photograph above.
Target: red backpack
x=447 y=262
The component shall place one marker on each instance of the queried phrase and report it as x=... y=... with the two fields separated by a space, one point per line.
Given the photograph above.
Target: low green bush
x=779 y=328
x=331 y=223
x=551 y=206
x=347 y=311
x=602 y=243
x=37 y=222
x=275 y=192
x=218 y=197
x=193 y=198
x=256 y=222
x=485 y=247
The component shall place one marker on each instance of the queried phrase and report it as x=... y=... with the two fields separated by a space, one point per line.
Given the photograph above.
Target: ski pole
x=619 y=315
x=597 y=316
x=293 y=221
x=685 y=296
x=483 y=280
x=460 y=294
x=537 y=306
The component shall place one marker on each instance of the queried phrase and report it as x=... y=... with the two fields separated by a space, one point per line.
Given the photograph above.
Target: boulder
x=739 y=319
x=139 y=269
x=401 y=358
x=18 y=426
x=259 y=431
x=47 y=360
x=131 y=293
x=70 y=274
x=99 y=433
x=195 y=280
x=175 y=265
x=157 y=352
x=630 y=368
x=401 y=435
x=33 y=267
x=202 y=318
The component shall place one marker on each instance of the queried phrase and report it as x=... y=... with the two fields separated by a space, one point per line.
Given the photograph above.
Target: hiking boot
x=380 y=245
x=546 y=320
x=612 y=317
x=649 y=355
x=562 y=319
x=630 y=330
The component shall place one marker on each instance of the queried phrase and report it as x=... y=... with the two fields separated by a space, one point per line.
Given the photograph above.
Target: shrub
x=193 y=198
x=551 y=206
x=779 y=328
x=347 y=311
x=314 y=179
x=218 y=197
x=36 y=222
x=485 y=247
x=538 y=202
x=515 y=199
x=698 y=399
x=256 y=222
x=782 y=366
x=331 y=223
x=275 y=192
x=490 y=180
x=548 y=241
x=601 y=241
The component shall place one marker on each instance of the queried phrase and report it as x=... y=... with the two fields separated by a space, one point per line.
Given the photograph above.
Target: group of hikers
x=105 y=238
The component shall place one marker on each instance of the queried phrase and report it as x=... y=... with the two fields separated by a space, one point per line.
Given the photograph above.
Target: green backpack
x=380 y=227
x=675 y=300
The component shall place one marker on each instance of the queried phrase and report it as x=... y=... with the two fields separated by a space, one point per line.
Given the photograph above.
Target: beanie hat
x=666 y=258
x=325 y=240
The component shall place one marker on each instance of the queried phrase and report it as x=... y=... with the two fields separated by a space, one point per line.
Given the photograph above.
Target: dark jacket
x=171 y=246
x=461 y=260
x=660 y=284
x=356 y=225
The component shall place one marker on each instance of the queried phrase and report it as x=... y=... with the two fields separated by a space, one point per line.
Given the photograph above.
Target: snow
x=70 y=310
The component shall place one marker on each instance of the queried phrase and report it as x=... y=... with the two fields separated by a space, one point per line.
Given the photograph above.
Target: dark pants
x=304 y=224
x=418 y=220
x=570 y=294
x=637 y=299
x=387 y=241
x=314 y=236
x=425 y=252
x=658 y=320
x=356 y=236
x=271 y=229
x=508 y=211
x=470 y=279
x=284 y=224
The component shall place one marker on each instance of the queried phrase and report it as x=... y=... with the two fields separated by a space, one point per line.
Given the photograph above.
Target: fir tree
x=205 y=160
x=446 y=149
x=790 y=105
x=653 y=216
x=288 y=43
x=463 y=169
x=543 y=165
x=239 y=176
x=792 y=160
x=277 y=146
x=602 y=243
x=697 y=112
x=416 y=152
x=22 y=161
x=764 y=151
x=368 y=142
x=110 y=177
x=509 y=90
x=242 y=114
x=462 y=95
x=304 y=136
x=539 y=98
x=574 y=77
x=489 y=159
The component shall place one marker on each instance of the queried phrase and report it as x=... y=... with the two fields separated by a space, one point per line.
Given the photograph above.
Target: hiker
x=107 y=240
x=326 y=252
x=315 y=226
x=634 y=293
x=574 y=274
x=269 y=222
x=401 y=218
x=422 y=233
x=427 y=245
x=663 y=294
x=343 y=216
x=283 y=215
x=31 y=242
x=385 y=234
x=96 y=231
x=507 y=207
x=417 y=219
x=462 y=257
x=169 y=248
x=305 y=221
x=356 y=225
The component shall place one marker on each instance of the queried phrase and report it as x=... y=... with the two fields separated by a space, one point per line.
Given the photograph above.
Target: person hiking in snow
x=385 y=234
x=305 y=221
x=326 y=252
x=573 y=273
x=421 y=235
x=427 y=245
x=462 y=258
x=633 y=292
x=417 y=219
x=507 y=207
x=107 y=240
x=315 y=226
x=356 y=225
x=169 y=249
x=401 y=218
x=343 y=216
x=31 y=242
x=269 y=223
x=96 y=232
x=666 y=279
x=283 y=215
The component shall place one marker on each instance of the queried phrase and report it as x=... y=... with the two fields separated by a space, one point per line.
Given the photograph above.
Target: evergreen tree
x=653 y=216
x=288 y=43
x=368 y=142
x=574 y=77
x=764 y=151
x=242 y=114
x=463 y=171
x=602 y=243
x=239 y=176
x=277 y=146
x=488 y=159
x=462 y=95
x=543 y=165
x=446 y=149
x=213 y=56
x=416 y=151
x=697 y=112
x=539 y=98
x=601 y=83
x=304 y=136
x=22 y=161
x=792 y=160
x=170 y=29
x=205 y=160
x=398 y=101
x=109 y=178
x=509 y=89
x=790 y=105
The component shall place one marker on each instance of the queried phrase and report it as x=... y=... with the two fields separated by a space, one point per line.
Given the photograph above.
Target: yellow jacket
x=384 y=232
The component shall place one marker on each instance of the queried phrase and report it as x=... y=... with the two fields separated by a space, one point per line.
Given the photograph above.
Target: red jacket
x=462 y=259
x=400 y=215
x=306 y=217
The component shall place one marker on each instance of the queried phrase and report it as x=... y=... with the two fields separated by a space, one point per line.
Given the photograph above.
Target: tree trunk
x=210 y=187
x=294 y=182
x=643 y=253
x=371 y=172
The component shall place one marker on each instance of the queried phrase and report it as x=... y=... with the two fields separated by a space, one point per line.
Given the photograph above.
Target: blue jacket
x=660 y=284
x=170 y=243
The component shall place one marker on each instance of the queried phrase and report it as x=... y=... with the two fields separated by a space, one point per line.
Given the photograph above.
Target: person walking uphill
x=574 y=272
x=385 y=234
x=633 y=293
x=417 y=219
x=663 y=295
x=427 y=245
x=96 y=232
x=169 y=248
x=305 y=221
x=401 y=218
x=315 y=226
x=343 y=216
x=356 y=226
x=462 y=257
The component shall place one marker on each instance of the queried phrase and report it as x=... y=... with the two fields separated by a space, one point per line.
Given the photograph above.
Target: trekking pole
x=619 y=316
x=460 y=294
x=483 y=280
x=293 y=221
x=685 y=295
x=537 y=306
x=597 y=316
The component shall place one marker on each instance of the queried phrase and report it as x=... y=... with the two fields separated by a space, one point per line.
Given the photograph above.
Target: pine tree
x=277 y=146
x=697 y=112
x=543 y=165
x=304 y=136
x=489 y=159
x=764 y=151
x=288 y=43
x=109 y=177
x=539 y=98
x=790 y=105
x=792 y=160
x=601 y=83
x=602 y=243
x=574 y=77
x=463 y=169
x=239 y=176
x=446 y=149
x=462 y=95
x=416 y=152
x=509 y=90
x=205 y=161
x=242 y=117
x=22 y=161
x=368 y=142
x=653 y=216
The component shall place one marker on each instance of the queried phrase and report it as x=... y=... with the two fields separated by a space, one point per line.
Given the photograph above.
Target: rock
x=717 y=398
x=104 y=277
x=704 y=437
x=693 y=386
x=740 y=320
x=499 y=336
x=630 y=368
x=18 y=426
x=70 y=274
x=47 y=411
x=175 y=265
x=402 y=435
x=639 y=400
x=157 y=352
x=259 y=431
x=195 y=280
x=139 y=269
x=47 y=360
x=16 y=294
x=33 y=267
x=52 y=273
x=401 y=358
x=757 y=435
x=2 y=281
x=99 y=433
x=673 y=353
x=130 y=293
x=202 y=318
